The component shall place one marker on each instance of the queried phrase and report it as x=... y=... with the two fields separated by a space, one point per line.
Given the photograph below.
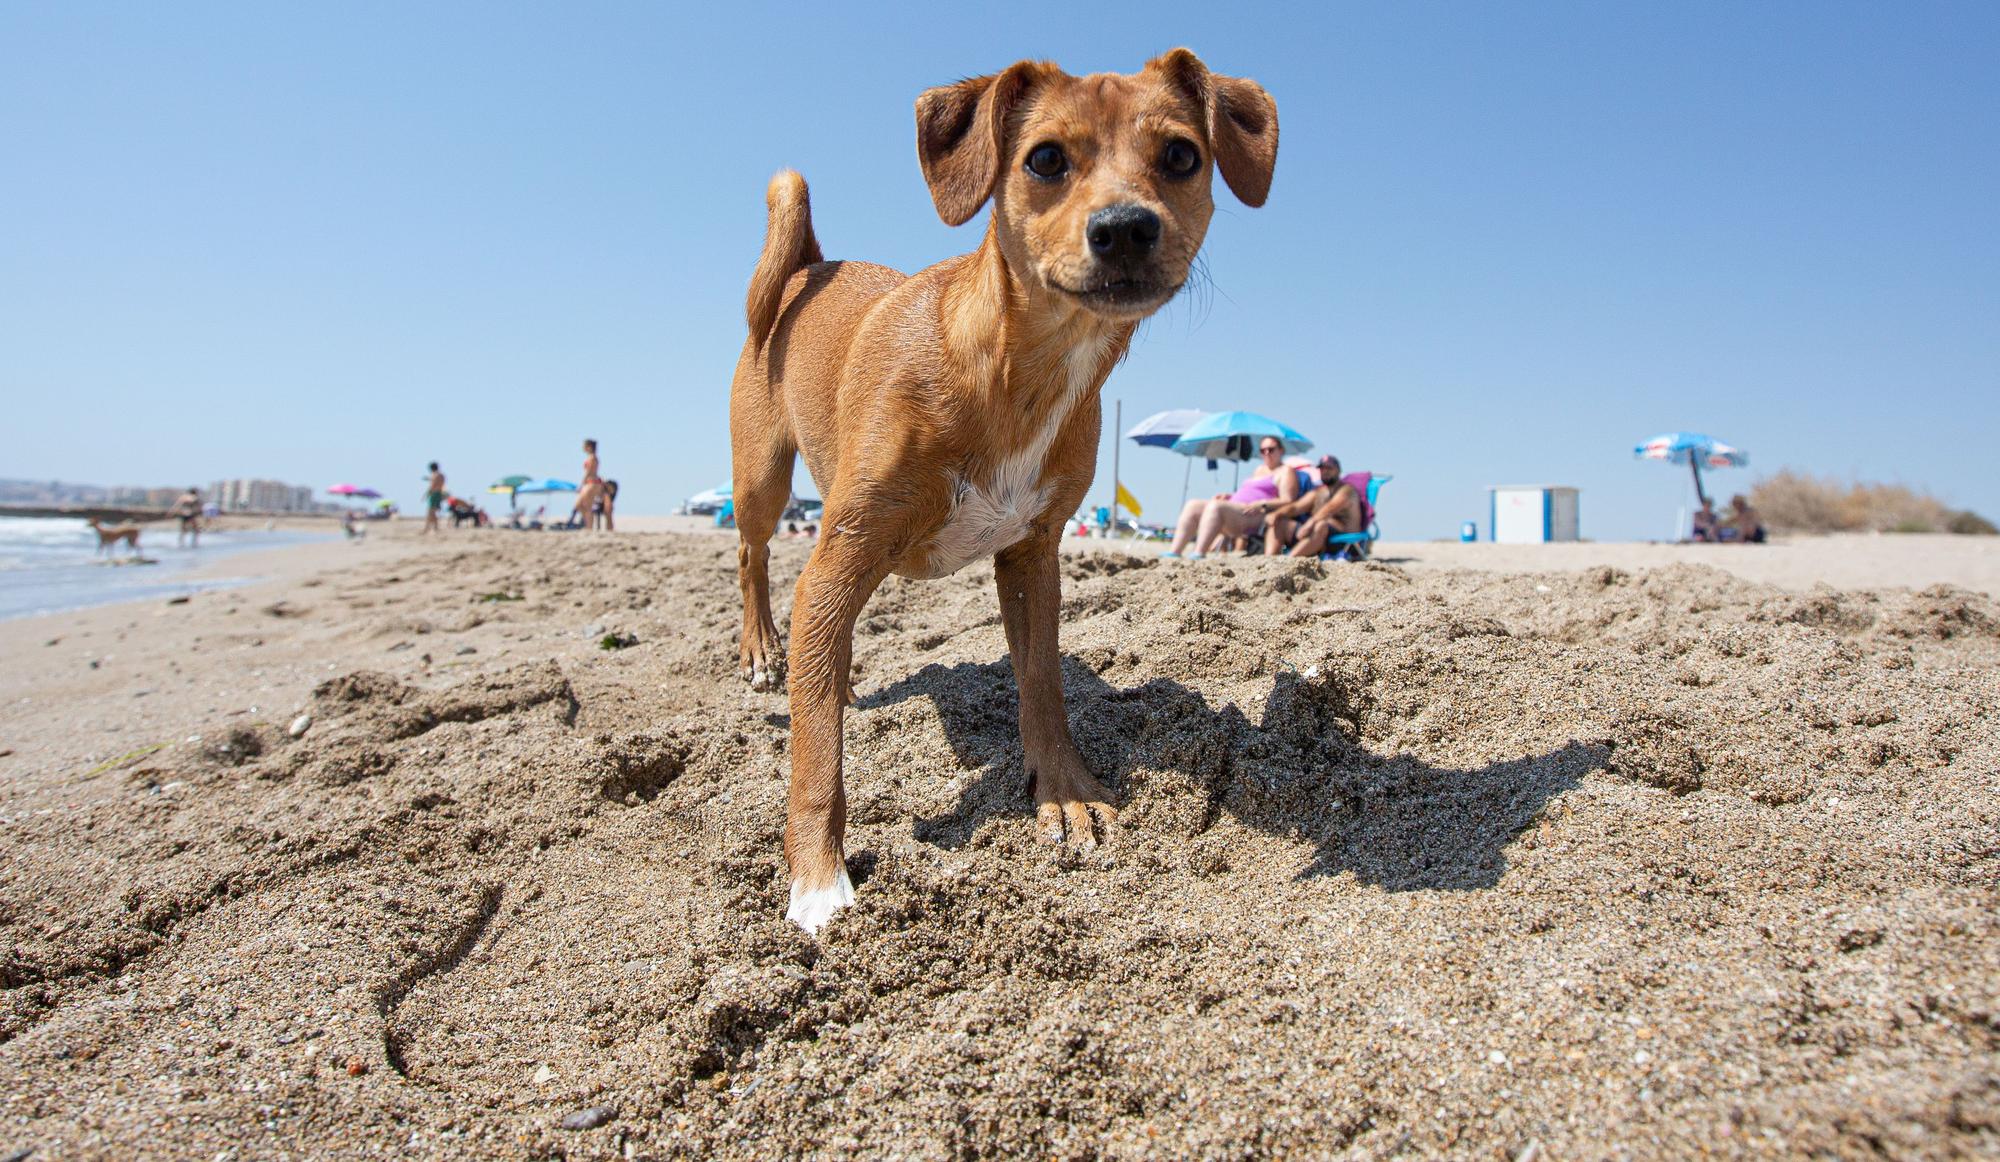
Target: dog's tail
x=789 y=246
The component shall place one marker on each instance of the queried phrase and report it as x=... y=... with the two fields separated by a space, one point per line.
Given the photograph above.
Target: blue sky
x=1504 y=242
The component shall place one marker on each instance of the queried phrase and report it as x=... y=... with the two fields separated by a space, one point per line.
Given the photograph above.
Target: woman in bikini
x=588 y=489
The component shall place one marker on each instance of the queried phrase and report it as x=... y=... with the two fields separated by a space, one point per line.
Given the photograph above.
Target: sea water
x=49 y=564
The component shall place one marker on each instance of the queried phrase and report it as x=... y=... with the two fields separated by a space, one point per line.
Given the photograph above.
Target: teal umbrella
x=1234 y=436
x=510 y=485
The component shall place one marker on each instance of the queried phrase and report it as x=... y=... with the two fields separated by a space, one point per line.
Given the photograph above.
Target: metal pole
x=1117 y=437
x=1694 y=465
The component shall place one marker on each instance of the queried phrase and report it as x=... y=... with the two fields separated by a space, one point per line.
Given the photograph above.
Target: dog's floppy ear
x=1242 y=122
x=961 y=135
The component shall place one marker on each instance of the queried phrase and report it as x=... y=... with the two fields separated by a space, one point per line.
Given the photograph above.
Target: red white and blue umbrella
x=1694 y=449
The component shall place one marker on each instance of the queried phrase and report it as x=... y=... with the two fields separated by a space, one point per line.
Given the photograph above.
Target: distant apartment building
x=260 y=496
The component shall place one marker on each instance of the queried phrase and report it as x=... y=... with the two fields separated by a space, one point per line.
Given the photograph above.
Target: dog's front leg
x=1066 y=794
x=835 y=585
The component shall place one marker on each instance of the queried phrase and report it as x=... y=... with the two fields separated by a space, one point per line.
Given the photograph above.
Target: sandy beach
x=469 y=848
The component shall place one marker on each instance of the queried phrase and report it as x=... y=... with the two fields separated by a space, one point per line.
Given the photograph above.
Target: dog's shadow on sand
x=1176 y=765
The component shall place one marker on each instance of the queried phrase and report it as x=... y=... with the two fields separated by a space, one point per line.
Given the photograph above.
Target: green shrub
x=1969 y=523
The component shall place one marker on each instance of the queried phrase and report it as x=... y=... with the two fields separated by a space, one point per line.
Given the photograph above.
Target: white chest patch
x=986 y=519
x=989 y=515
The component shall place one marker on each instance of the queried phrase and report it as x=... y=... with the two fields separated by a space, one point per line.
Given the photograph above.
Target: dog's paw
x=1072 y=809
x=765 y=674
x=811 y=908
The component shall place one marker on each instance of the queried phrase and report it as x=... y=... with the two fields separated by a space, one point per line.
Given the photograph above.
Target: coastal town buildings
x=243 y=495
x=239 y=495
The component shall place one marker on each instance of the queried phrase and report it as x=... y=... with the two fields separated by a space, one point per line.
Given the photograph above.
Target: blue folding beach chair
x=1357 y=546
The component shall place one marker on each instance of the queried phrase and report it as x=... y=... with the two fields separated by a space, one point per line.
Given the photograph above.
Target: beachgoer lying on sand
x=1205 y=523
x=1743 y=525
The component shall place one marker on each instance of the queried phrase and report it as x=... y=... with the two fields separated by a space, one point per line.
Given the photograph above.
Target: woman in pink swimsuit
x=1237 y=514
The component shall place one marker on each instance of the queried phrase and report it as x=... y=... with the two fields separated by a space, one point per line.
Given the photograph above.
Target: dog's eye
x=1180 y=158
x=1047 y=162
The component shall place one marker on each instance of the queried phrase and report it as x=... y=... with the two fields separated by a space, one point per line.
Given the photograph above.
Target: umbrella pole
x=1694 y=465
x=1185 y=477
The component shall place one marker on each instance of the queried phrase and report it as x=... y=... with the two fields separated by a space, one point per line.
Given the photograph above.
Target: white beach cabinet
x=1528 y=514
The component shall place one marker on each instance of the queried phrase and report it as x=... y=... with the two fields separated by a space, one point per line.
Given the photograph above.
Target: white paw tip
x=811 y=910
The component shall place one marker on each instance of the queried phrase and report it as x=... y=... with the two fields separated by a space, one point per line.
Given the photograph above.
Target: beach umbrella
x=1234 y=436
x=713 y=498
x=509 y=485
x=354 y=492
x=548 y=485
x=1161 y=429
x=1694 y=449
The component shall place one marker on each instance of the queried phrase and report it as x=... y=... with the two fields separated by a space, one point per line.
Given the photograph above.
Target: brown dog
x=953 y=414
x=109 y=536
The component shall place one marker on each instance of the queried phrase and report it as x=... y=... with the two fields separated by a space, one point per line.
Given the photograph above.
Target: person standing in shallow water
x=433 y=498
x=187 y=507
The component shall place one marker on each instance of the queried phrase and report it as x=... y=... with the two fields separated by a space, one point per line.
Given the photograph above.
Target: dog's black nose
x=1123 y=231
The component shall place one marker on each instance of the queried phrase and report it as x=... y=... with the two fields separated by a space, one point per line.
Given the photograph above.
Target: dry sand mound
x=1447 y=864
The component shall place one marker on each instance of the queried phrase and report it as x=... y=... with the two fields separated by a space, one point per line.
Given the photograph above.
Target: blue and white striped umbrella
x=1161 y=429
x=1234 y=436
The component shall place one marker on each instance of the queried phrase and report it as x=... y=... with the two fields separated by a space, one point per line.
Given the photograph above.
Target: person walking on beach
x=187 y=507
x=588 y=489
x=433 y=498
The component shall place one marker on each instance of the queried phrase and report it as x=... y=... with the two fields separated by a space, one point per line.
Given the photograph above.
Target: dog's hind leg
x=761 y=485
